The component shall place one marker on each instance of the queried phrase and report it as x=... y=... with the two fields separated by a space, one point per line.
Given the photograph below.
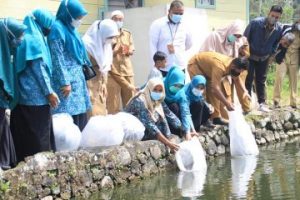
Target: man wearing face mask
x=215 y=67
x=263 y=34
x=170 y=35
x=288 y=61
x=120 y=83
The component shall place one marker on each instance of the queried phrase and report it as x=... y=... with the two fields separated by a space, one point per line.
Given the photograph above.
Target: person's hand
x=211 y=108
x=246 y=95
x=229 y=106
x=194 y=133
x=53 y=100
x=66 y=90
x=174 y=147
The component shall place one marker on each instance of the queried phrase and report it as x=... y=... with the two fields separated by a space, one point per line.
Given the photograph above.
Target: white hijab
x=94 y=41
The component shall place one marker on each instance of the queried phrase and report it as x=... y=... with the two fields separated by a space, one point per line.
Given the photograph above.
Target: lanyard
x=171 y=31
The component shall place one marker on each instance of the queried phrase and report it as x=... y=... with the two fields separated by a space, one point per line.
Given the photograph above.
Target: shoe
x=294 y=106
x=263 y=108
x=219 y=121
x=209 y=124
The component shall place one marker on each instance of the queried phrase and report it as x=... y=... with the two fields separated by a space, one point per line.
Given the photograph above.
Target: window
x=206 y=4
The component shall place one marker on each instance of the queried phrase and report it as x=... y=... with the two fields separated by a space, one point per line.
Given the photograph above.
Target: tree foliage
x=262 y=8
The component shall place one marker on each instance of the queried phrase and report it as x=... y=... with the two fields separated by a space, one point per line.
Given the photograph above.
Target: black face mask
x=234 y=73
x=46 y=31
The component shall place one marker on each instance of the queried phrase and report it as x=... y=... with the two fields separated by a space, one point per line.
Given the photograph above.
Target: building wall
x=20 y=8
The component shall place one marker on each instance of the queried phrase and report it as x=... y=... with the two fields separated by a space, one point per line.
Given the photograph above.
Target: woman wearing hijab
x=11 y=32
x=177 y=102
x=97 y=41
x=68 y=58
x=193 y=94
x=230 y=42
x=147 y=107
x=31 y=121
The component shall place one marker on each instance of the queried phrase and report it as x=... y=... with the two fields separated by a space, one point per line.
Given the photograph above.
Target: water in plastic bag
x=102 y=131
x=242 y=141
x=67 y=134
x=191 y=156
x=133 y=129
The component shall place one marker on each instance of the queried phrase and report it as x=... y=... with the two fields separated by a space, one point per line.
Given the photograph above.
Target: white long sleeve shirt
x=162 y=33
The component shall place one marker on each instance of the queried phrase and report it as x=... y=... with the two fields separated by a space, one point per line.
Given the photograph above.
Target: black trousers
x=7 y=149
x=258 y=71
x=80 y=120
x=200 y=113
x=32 y=130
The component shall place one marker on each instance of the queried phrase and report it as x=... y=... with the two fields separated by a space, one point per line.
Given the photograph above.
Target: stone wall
x=63 y=175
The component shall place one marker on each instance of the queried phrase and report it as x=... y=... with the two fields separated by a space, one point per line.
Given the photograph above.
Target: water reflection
x=275 y=174
x=191 y=183
x=242 y=169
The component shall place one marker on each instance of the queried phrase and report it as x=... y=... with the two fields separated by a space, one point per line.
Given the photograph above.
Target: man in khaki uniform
x=120 y=84
x=290 y=64
x=215 y=67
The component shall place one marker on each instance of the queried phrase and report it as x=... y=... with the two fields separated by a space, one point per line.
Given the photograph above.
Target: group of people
x=48 y=68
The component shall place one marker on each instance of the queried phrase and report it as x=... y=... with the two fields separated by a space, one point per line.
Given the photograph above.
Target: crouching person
x=147 y=106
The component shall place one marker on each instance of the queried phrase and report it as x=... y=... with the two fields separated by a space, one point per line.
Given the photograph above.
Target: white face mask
x=197 y=92
x=119 y=24
x=76 y=22
x=108 y=41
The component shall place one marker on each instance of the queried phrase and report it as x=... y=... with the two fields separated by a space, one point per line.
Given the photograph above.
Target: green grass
x=285 y=93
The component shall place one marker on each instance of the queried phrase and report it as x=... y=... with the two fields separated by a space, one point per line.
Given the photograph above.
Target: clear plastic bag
x=191 y=156
x=102 y=131
x=67 y=134
x=133 y=129
x=242 y=141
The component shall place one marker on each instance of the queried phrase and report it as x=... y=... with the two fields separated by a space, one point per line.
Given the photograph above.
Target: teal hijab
x=35 y=45
x=197 y=80
x=63 y=29
x=7 y=71
x=174 y=76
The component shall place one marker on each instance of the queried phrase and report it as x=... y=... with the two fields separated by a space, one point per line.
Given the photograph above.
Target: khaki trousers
x=118 y=90
x=98 y=93
x=281 y=70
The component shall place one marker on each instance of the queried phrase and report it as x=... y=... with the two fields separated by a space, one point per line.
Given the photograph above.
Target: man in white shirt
x=170 y=35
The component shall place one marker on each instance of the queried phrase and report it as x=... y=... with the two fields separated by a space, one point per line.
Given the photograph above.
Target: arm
x=39 y=70
x=188 y=41
x=154 y=38
x=131 y=46
x=247 y=32
x=122 y=81
x=171 y=117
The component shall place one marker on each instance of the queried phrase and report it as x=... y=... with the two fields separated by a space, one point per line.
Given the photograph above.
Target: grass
x=285 y=93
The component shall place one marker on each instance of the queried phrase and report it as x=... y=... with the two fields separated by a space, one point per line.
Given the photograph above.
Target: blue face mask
x=174 y=89
x=176 y=18
x=231 y=38
x=155 y=96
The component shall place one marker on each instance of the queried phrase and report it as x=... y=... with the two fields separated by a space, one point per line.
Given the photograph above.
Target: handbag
x=88 y=72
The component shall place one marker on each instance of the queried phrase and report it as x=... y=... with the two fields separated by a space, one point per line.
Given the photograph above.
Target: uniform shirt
x=122 y=65
x=262 y=42
x=163 y=32
x=34 y=84
x=214 y=66
x=67 y=71
x=292 y=55
x=155 y=73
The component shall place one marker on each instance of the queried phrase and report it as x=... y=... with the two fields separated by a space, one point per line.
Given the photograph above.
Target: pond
x=274 y=174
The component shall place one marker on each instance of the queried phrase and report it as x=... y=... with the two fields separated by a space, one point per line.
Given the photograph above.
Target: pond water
x=274 y=174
